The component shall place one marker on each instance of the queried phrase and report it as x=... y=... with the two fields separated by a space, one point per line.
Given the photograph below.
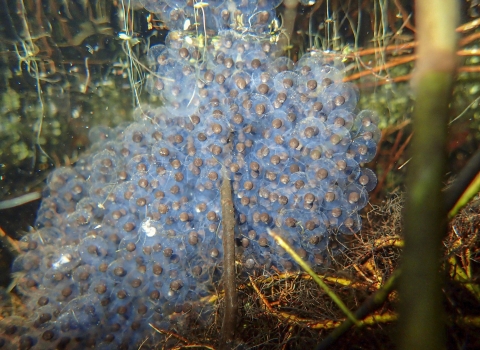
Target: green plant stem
x=470 y=192
x=315 y=277
x=421 y=324
x=463 y=180
x=421 y=313
x=371 y=304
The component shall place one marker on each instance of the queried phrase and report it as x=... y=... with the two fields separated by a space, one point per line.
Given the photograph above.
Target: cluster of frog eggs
x=132 y=235
x=205 y=17
x=287 y=132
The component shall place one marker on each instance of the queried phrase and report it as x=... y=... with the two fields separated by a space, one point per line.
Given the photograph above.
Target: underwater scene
x=226 y=174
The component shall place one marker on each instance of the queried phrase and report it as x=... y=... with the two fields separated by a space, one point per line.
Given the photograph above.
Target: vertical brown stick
x=228 y=222
x=422 y=323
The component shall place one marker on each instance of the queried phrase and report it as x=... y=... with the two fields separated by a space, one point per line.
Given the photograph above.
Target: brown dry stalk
x=292 y=319
x=187 y=343
x=392 y=63
x=228 y=239
x=342 y=281
x=391 y=164
x=13 y=245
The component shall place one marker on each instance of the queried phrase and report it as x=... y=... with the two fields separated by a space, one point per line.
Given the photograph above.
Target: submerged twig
x=20 y=200
x=180 y=338
x=9 y=242
x=228 y=238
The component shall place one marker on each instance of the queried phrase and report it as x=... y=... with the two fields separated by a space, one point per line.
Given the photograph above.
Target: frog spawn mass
x=132 y=234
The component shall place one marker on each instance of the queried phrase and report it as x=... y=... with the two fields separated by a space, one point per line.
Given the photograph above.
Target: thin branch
x=228 y=222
